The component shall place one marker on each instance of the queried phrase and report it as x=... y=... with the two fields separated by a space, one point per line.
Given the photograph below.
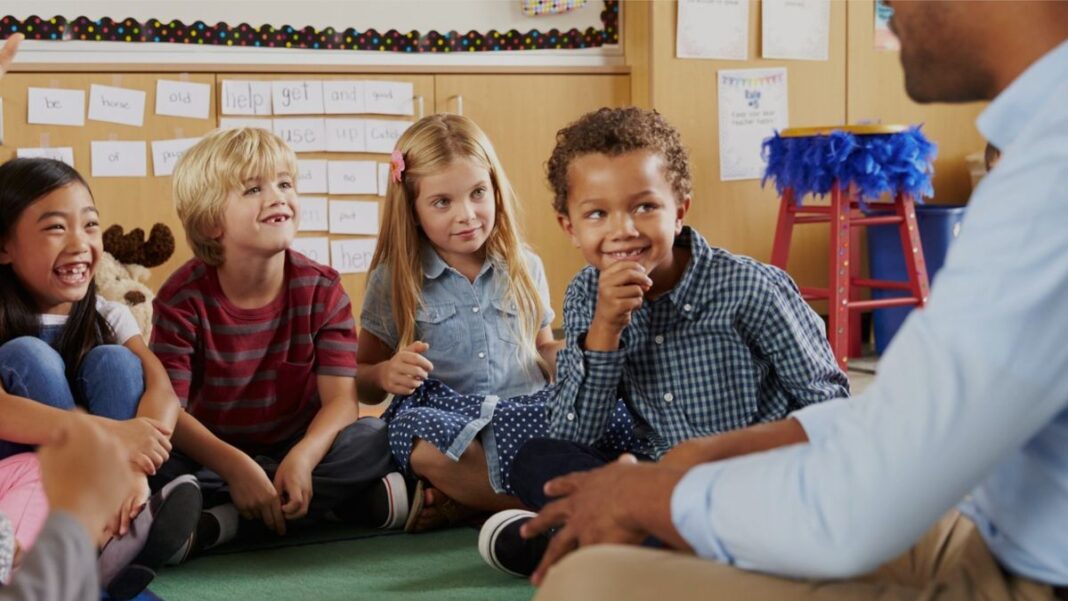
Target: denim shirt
x=470 y=327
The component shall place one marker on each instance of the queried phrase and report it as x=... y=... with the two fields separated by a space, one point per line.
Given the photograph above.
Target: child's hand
x=293 y=482
x=7 y=53
x=621 y=290
x=84 y=472
x=254 y=495
x=407 y=369
x=131 y=506
x=146 y=440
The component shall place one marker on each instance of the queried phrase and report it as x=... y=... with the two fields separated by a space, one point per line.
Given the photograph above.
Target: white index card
x=183 y=99
x=382 y=135
x=302 y=135
x=352 y=177
x=117 y=105
x=60 y=153
x=343 y=97
x=119 y=159
x=354 y=217
x=383 y=178
x=53 y=106
x=316 y=248
x=345 y=135
x=240 y=97
x=165 y=154
x=297 y=97
x=388 y=97
x=311 y=176
x=313 y=214
x=352 y=255
x=234 y=122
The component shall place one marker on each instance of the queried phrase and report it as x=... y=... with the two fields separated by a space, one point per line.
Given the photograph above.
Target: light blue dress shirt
x=470 y=327
x=970 y=399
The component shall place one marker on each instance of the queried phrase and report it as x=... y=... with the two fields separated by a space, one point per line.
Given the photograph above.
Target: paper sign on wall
x=302 y=135
x=240 y=97
x=796 y=29
x=388 y=97
x=53 y=106
x=382 y=135
x=352 y=255
x=352 y=177
x=165 y=154
x=383 y=178
x=354 y=217
x=183 y=99
x=313 y=214
x=316 y=248
x=119 y=159
x=61 y=153
x=311 y=176
x=752 y=105
x=345 y=135
x=297 y=97
x=343 y=97
x=116 y=105
x=713 y=29
x=234 y=122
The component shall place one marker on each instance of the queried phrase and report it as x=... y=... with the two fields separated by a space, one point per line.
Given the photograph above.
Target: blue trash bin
x=939 y=225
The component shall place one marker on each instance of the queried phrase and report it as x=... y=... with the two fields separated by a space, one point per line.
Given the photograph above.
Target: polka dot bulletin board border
x=287 y=36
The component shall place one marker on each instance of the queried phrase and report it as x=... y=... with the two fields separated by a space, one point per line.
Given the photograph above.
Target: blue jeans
x=109 y=382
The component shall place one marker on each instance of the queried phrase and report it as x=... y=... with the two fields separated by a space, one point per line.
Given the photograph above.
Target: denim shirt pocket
x=507 y=327
x=439 y=326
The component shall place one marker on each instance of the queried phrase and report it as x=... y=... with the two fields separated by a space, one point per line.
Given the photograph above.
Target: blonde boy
x=259 y=343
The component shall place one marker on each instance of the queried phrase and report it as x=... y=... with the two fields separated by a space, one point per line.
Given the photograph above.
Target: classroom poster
x=796 y=29
x=752 y=106
x=713 y=29
x=884 y=38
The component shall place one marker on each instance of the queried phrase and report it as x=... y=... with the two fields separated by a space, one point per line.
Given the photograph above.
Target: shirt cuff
x=691 y=512
x=603 y=368
x=819 y=418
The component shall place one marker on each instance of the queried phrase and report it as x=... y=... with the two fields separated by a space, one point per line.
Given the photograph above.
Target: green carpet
x=345 y=564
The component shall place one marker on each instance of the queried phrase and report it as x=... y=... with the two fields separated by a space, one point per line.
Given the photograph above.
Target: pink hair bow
x=396 y=166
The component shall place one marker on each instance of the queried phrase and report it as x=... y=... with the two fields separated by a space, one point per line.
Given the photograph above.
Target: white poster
x=165 y=154
x=59 y=153
x=183 y=99
x=242 y=97
x=297 y=97
x=382 y=135
x=796 y=29
x=388 y=97
x=345 y=135
x=713 y=29
x=752 y=106
x=352 y=255
x=343 y=97
x=302 y=135
x=55 y=106
x=313 y=214
x=352 y=177
x=354 y=217
x=118 y=159
x=311 y=177
x=316 y=248
x=116 y=105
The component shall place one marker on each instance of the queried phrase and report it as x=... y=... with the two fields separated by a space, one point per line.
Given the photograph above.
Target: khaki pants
x=950 y=563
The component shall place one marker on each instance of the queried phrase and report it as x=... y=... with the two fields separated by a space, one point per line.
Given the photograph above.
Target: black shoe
x=385 y=504
x=127 y=564
x=503 y=548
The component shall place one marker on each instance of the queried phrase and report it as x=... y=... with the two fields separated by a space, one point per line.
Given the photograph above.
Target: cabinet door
x=423 y=101
x=521 y=115
x=132 y=202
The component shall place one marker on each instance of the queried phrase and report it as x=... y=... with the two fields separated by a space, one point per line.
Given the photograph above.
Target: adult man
x=971 y=401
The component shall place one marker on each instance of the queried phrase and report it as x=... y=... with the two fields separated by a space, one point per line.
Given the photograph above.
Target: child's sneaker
x=216 y=526
x=389 y=501
x=503 y=548
x=128 y=563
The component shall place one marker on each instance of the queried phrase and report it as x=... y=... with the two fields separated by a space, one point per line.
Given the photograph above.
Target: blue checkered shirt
x=732 y=344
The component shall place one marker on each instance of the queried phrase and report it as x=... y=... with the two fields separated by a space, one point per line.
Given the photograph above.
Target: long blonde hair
x=429 y=146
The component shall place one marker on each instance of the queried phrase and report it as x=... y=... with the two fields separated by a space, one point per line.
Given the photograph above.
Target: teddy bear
x=123 y=268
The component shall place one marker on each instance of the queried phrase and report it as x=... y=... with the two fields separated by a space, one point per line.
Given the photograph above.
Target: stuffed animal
x=122 y=272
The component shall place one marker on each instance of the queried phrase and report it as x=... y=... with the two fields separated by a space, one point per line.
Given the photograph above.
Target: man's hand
x=254 y=495
x=7 y=53
x=754 y=439
x=85 y=472
x=293 y=482
x=620 y=290
x=407 y=369
x=624 y=502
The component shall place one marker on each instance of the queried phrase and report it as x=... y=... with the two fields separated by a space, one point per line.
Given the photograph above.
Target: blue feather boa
x=877 y=164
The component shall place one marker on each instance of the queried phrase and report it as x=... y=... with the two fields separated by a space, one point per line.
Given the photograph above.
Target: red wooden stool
x=844 y=281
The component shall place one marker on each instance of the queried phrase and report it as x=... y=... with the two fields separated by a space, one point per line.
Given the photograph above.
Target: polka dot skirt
x=450 y=421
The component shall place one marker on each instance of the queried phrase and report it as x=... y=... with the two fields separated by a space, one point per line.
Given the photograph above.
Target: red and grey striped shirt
x=249 y=375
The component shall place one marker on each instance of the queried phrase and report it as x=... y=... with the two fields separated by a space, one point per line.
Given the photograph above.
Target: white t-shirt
x=118 y=316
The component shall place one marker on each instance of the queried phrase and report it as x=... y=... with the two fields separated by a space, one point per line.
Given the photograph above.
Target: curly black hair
x=615 y=131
